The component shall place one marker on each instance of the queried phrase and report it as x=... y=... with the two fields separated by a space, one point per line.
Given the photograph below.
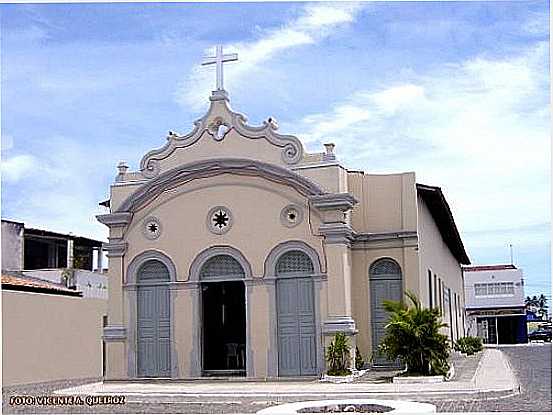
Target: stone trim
x=214 y=167
x=146 y=232
x=119 y=218
x=116 y=248
x=332 y=201
x=284 y=219
x=292 y=149
x=114 y=334
x=399 y=239
x=269 y=267
x=211 y=227
x=202 y=257
x=339 y=325
x=336 y=233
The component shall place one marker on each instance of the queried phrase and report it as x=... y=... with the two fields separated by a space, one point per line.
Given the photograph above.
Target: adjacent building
x=232 y=250
x=75 y=261
x=495 y=308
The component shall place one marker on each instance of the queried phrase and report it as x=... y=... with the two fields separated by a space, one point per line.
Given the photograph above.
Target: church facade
x=233 y=251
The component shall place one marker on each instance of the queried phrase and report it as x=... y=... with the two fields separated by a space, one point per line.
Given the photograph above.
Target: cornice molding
x=334 y=201
x=336 y=233
x=115 y=219
x=215 y=167
x=115 y=249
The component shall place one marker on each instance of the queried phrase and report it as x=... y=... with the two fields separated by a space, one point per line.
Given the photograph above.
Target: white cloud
x=479 y=129
x=17 y=167
x=315 y=23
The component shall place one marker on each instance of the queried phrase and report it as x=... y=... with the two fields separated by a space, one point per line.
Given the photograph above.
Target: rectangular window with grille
x=494 y=289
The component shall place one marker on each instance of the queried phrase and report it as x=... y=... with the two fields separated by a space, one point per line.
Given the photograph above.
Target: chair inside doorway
x=224 y=328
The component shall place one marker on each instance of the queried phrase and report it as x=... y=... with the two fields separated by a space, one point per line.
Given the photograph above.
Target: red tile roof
x=489 y=268
x=20 y=282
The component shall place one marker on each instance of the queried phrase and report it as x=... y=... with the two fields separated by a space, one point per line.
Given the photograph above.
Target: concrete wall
x=50 y=337
x=12 y=245
x=497 y=300
x=436 y=258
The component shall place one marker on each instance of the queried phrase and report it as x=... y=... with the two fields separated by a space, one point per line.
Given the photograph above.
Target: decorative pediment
x=217 y=125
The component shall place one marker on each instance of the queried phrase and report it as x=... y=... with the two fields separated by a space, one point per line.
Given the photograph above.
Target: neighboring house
x=60 y=258
x=49 y=332
x=234 y=251
x=494 y=296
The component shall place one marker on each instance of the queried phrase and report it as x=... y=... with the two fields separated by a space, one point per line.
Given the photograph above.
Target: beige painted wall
x=387 y=202
x=50 y=337
x=436 y=257
x=183 y=214
x=406 y=257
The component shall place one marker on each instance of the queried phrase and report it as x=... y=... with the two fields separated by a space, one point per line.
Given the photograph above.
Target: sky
x=457 y=92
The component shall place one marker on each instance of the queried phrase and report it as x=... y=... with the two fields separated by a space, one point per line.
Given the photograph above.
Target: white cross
x=218 y=60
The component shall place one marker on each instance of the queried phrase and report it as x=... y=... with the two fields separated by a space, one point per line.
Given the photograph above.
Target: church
x=235 y=252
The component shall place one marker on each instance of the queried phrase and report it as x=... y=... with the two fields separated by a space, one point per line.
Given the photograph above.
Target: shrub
x=338 y=355
x=413 y=335
x=469 y=345
x=359 y=362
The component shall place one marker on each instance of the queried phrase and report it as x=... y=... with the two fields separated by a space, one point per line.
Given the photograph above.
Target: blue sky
x=456 y=91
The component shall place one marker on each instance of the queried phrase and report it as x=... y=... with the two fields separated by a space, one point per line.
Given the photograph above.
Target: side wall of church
x=387 y=204
x=437 y=262
x=408 y=260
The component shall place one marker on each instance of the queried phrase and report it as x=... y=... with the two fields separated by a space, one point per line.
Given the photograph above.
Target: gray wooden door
x=296 y=327
x=385 y=284
x=153 y=321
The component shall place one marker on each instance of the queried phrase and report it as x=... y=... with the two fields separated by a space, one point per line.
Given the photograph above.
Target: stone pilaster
x=338 y=236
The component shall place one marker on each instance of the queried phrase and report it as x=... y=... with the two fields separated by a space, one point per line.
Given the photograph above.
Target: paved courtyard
x=531 y=364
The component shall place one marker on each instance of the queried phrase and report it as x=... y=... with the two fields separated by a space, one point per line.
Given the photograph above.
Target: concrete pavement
x=493 y=378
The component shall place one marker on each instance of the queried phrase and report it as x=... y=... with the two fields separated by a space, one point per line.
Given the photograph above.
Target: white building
x=494 y=298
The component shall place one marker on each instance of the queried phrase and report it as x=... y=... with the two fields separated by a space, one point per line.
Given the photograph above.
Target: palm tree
x=531 y=302
x=542 y=306
x=413 y=335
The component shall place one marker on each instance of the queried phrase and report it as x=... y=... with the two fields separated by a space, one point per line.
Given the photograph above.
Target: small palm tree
x=337 y=356
x=413 y=335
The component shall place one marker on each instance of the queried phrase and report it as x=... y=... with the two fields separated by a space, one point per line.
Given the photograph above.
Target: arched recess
x=219 y=250
x=271 y=260
x=385 y=283
x=296 y=269
x=223 y=311
x=151 y=351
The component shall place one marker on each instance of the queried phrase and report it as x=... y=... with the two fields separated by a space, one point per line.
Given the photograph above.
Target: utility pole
x=511 y=249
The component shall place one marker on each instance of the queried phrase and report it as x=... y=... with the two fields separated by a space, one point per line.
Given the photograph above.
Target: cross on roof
x=218 y=60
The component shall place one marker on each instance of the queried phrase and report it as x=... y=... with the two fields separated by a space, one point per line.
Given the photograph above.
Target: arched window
x=293 y=262
x=153 y=270
x=385 y=268
x=221 y=266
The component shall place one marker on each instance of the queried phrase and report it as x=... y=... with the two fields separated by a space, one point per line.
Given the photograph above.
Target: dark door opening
x=507 y=330
x=224 y=328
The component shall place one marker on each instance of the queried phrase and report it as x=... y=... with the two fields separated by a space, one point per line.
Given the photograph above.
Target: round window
x=219 y=220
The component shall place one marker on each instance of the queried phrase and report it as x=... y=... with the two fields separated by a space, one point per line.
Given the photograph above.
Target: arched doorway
x=153 y=320
x=297 y=350
x=385 y=283
x=223 y=316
